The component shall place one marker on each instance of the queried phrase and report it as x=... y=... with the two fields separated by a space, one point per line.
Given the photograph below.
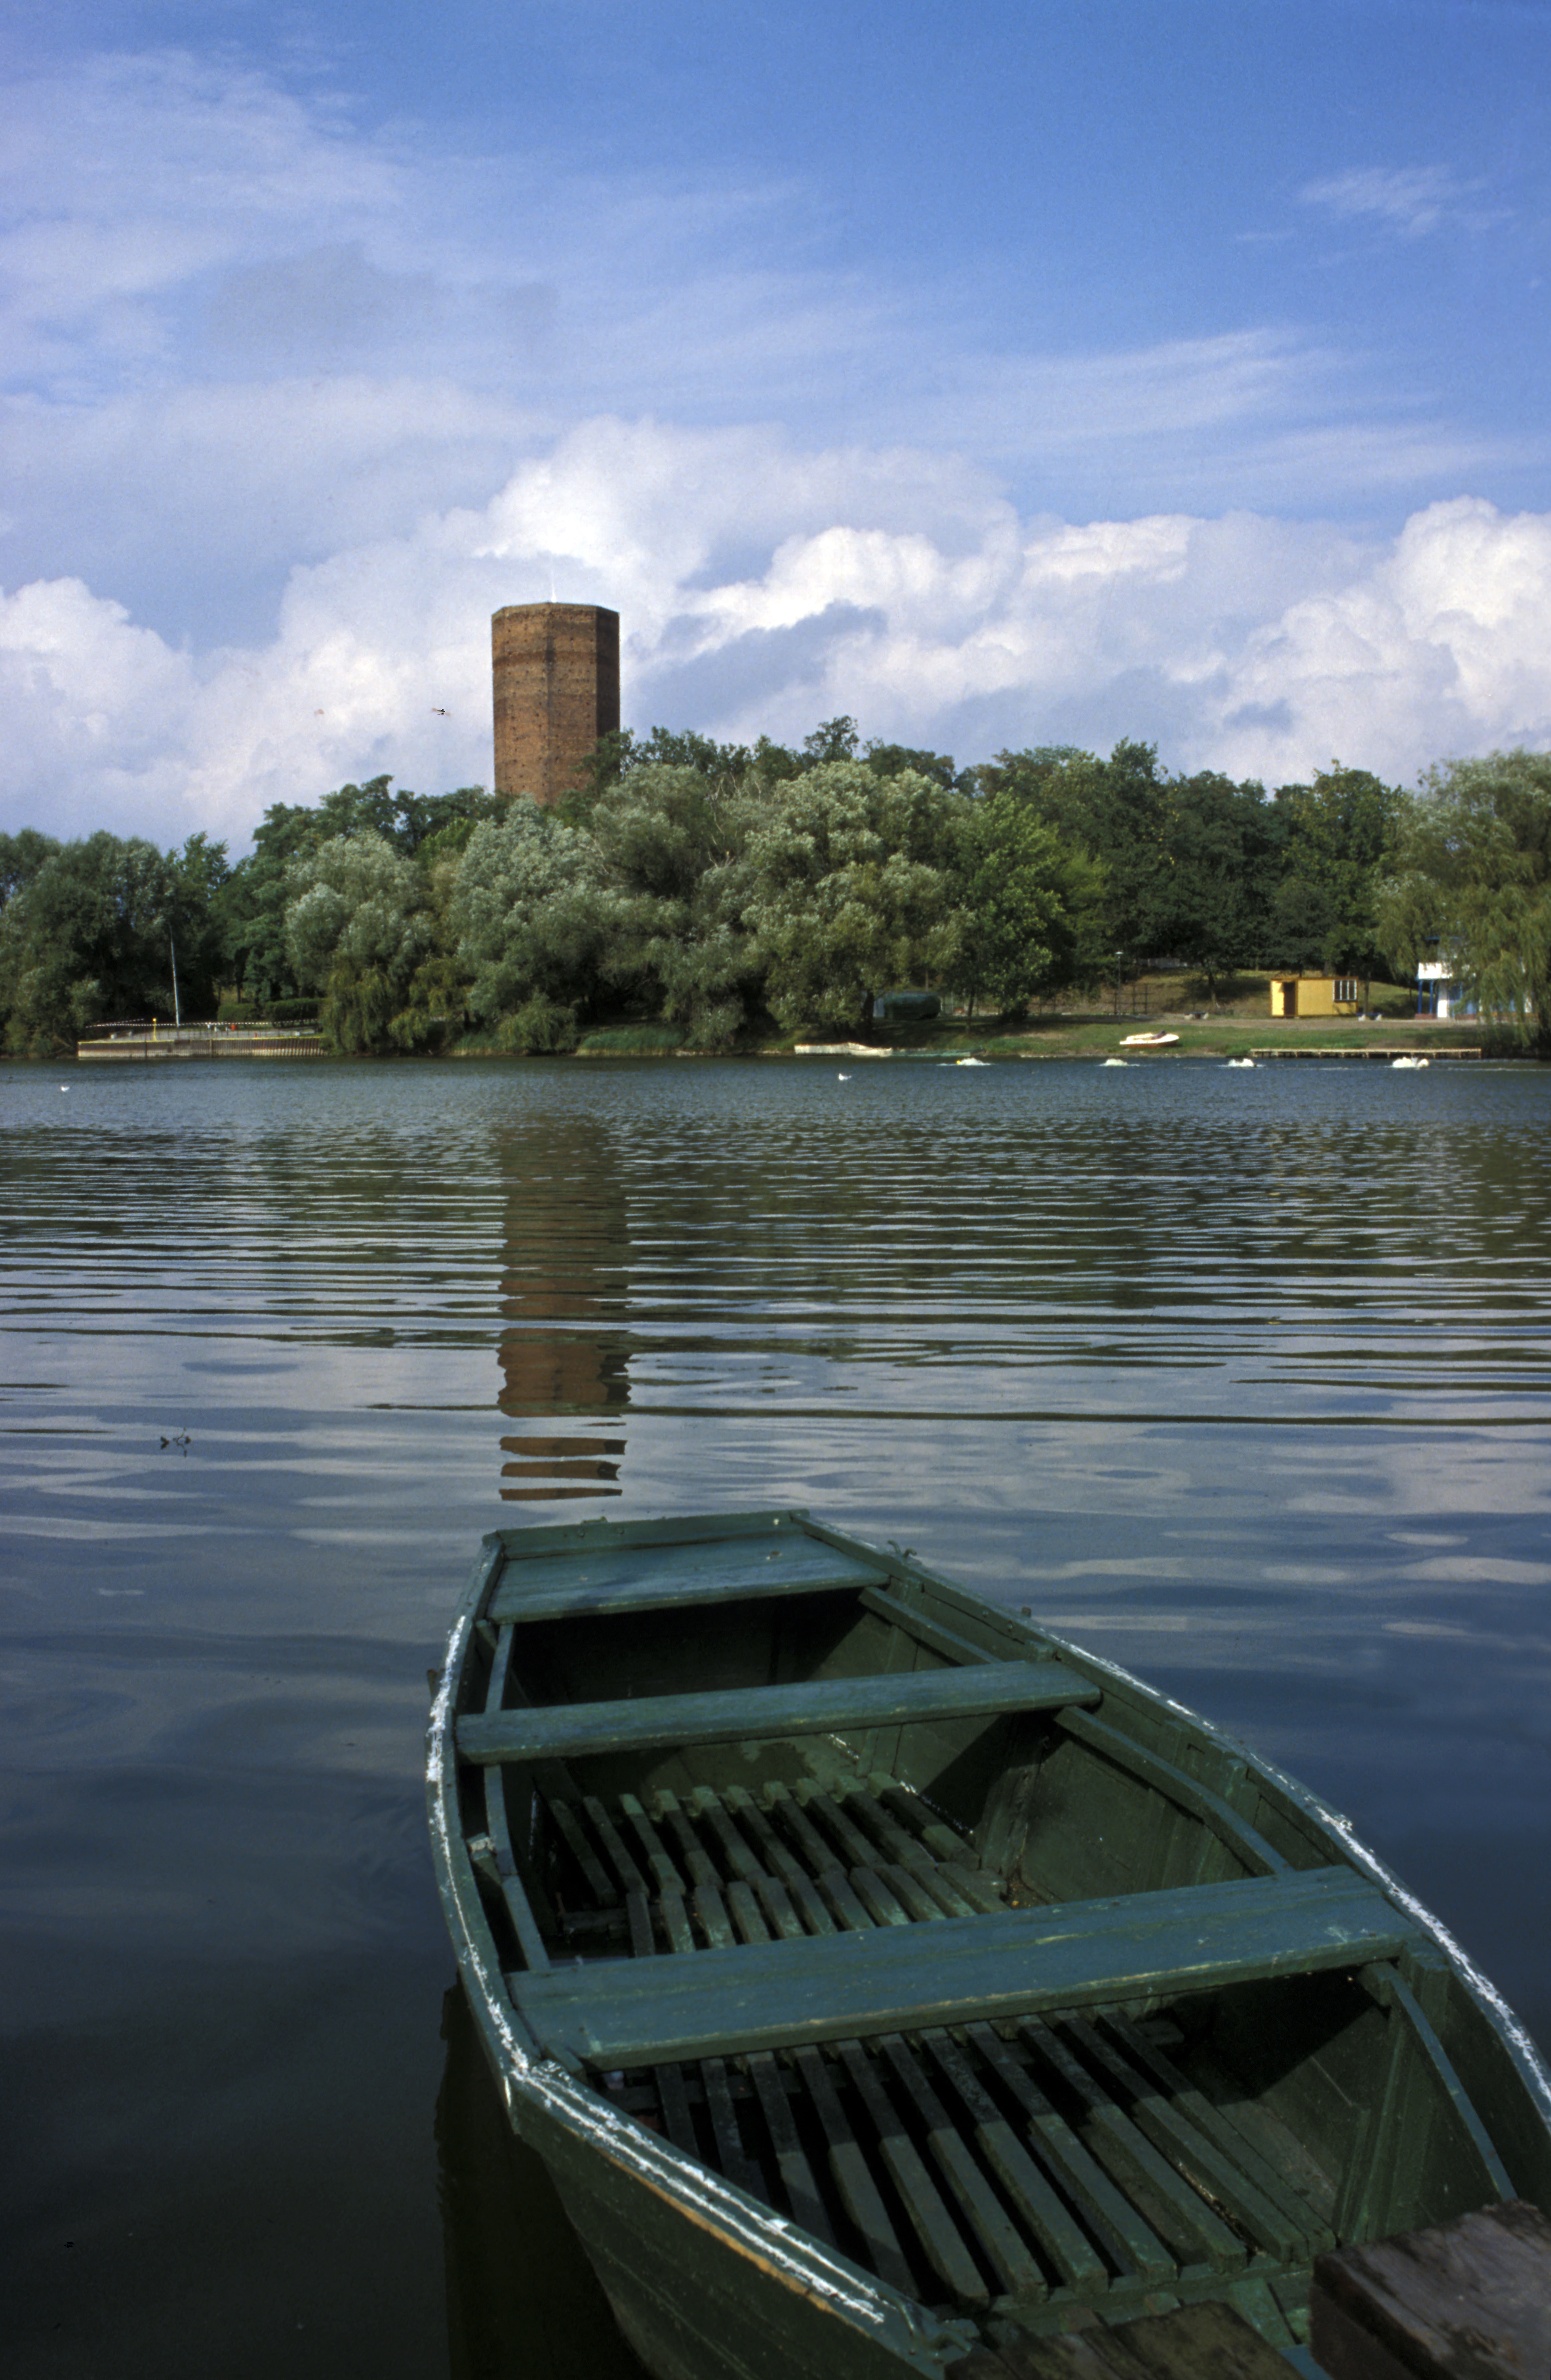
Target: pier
x=162 y=1044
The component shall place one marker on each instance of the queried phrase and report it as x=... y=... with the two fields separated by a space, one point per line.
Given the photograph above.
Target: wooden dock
x=170 y=1043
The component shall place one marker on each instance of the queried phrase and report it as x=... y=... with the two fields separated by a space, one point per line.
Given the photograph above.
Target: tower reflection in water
x=565 y=1291
x=521 y=2296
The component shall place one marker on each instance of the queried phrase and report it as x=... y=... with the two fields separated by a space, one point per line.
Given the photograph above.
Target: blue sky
x=1033 y=373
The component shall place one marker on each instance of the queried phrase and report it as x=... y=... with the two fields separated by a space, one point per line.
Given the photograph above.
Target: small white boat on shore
x=1148 y=1040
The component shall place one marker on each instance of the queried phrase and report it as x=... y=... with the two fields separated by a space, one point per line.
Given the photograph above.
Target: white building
x=1440 y=993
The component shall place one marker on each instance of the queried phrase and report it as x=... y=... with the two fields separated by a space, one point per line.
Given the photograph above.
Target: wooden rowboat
x=886 y=1985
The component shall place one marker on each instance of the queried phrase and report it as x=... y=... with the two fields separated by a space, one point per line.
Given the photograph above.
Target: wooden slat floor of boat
x=1003 y=2166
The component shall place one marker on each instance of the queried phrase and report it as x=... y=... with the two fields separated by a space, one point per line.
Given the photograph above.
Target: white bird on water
x=843 y=1078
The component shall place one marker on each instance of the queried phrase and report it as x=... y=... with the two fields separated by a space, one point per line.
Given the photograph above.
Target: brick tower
x=556 y=670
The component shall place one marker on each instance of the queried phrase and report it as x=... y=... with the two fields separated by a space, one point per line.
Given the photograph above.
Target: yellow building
x=1314 y=995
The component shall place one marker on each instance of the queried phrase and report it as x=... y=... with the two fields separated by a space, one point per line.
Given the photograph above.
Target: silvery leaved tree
x=1473 y=883
x=357 y=927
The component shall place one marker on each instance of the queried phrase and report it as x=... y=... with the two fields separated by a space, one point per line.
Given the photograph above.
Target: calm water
x=1245 y=1384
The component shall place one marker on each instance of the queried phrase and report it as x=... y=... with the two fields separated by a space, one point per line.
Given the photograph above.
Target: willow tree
x=1473 y=883
x=849 y=883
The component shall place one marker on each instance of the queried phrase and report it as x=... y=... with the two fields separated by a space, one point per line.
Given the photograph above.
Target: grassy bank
x=1228 y=1025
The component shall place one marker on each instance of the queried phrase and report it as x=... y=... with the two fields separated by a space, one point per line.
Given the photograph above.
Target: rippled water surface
x=1245 y=1384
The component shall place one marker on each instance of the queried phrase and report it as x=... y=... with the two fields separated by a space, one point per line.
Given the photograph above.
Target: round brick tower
x=556 y=673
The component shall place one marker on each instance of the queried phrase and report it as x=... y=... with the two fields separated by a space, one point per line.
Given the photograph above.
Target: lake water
x=1247 y=1385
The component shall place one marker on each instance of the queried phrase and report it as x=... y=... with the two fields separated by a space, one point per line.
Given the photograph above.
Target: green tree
x=1336 y=840
x=530 y=921
x=90 y=935
x=21 y=855
x=258 y=890
x=1473 y=883
x=357 y=929
x=847 y=883
x=1033 y=905
x=892 y=759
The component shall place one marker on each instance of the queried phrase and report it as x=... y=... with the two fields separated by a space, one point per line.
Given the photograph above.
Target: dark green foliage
x=89 y=933
x=702 y=886
x=1208 y=873
x=1335 y=844
x=21 y=855
x=253 y=903
x=893 y=760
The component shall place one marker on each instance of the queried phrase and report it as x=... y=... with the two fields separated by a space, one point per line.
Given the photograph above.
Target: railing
x=149 y=1028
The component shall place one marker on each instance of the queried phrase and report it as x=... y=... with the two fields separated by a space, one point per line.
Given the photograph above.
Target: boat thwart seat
x=823 y=1707
x=751 y=1996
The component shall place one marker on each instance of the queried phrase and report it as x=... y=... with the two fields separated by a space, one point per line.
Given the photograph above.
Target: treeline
x=718 y=887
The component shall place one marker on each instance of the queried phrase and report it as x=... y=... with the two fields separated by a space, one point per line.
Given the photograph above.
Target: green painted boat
x=886 y=1983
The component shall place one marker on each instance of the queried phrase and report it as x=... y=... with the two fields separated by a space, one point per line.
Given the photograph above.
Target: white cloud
x=246 y=328
x=1409 y=200
x=763 y=587
x=298 y=403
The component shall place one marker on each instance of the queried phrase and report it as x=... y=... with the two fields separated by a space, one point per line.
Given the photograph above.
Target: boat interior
x=1005 y=1978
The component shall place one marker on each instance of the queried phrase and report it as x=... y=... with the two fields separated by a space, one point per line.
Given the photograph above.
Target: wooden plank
x=697 y=1865
x=918 y=1625
x=573 y=1835
x=819 y=1707
x=630 y=1876
x=800 y=1830
x=665 y=1875
x=1390 y=1989
x=740 y=1859
x=853 y=1848
x=774 y=1857
x=995 y=2233
x=1181 y=2217
x=603 y=1537
x=1108 y=2213
x=525 y=1922
x=908 y=1848
x=940 y=2239
x=590 y=1584
x=911 y=1895
x=877 y=1898
x=675 y=1921
x=853 y=2176
x=779 y=1915
x=1314 y=2234
x=1469 y=2299
x=1214 y=2170
x=1071 y=2252
x=803 y=2194
x=891 y=1979
x=717 y=1926
x=1176 y=1785
x=1209 y=2341
x=731 y=2157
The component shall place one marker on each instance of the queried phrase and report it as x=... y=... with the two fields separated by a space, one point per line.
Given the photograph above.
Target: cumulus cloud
x=247 y=329
x=297 y=402
x=763 y=587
